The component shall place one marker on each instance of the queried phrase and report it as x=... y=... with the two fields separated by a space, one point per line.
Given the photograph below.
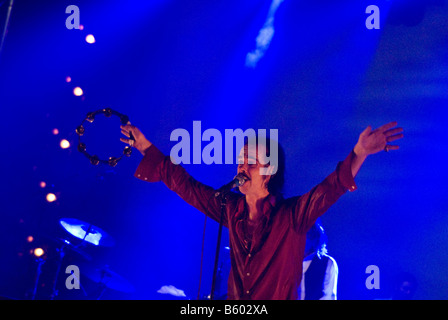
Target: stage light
x=51 y=197
x=68 y=79
x=38 y=252
x=90 y=38
x=30 y=239
x=78 y=92
x=64 y=144
x=264 y=37
x=42 y=184
x=55 y=131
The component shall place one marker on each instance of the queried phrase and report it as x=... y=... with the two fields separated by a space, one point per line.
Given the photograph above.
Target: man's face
x=249 y=165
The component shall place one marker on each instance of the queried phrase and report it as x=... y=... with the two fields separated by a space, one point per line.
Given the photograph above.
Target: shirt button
x=146 y=178
x=248 y=274
x=247 y=291
x=249 y=255
x=138 y=175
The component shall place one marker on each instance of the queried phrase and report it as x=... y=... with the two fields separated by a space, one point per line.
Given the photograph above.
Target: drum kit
x=87 y=235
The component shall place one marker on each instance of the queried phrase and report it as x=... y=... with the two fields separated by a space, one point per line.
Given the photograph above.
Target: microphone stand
x=218 y=244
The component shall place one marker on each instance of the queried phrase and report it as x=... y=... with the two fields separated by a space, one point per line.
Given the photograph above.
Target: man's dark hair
x=317 y=239
x=277 y=181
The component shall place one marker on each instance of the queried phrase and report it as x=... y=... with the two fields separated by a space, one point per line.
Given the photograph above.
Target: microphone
x=237 y=181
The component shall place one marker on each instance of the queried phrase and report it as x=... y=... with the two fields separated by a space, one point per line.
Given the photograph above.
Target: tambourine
x=80 y=130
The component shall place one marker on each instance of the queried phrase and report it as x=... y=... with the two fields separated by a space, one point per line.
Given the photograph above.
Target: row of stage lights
x=64 y=143
x=52 y=197
x=77 y=91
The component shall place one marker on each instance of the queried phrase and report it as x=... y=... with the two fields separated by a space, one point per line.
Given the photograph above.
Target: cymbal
x=107 y=277
x=87 y=232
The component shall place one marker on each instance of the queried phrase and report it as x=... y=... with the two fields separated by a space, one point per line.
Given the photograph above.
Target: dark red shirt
x=267 y=264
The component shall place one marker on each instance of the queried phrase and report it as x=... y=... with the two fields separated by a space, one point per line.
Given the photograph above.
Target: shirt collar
x=269 y=202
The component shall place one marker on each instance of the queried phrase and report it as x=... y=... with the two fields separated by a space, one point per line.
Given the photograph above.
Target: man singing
x=267 y=233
